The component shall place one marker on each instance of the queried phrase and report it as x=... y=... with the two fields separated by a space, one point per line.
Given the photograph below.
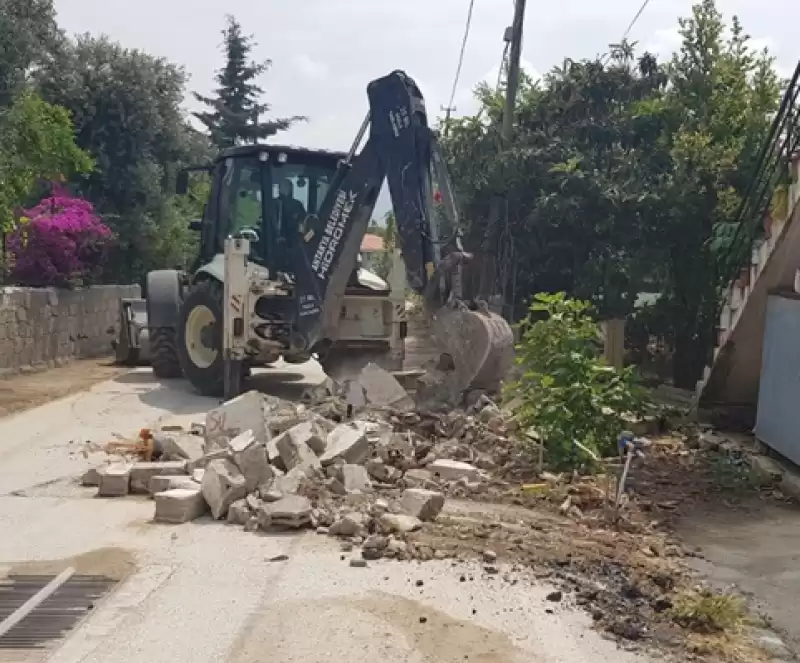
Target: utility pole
x=489 y=248
x=447 y=111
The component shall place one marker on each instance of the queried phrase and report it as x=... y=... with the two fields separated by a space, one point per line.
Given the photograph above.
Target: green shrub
x=568 y=394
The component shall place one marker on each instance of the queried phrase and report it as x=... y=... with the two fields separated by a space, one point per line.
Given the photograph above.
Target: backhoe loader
x=277 y=273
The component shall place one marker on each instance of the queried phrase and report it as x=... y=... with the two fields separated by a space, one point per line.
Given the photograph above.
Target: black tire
x=208 y=380
x=164 y=353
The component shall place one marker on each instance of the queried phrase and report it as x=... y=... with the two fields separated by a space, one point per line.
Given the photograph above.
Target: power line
x=461 y=55
x=635 y=19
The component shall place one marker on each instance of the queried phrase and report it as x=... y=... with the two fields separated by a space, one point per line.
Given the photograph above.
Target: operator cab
x=270 y=195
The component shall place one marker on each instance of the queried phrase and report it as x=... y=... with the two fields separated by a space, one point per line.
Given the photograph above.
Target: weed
x=707 y=612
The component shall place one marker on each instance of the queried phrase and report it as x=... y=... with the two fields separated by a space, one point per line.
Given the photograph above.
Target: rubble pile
x=372 y=472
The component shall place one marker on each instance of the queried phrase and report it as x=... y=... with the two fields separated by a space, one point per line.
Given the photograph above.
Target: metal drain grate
x=56 y=616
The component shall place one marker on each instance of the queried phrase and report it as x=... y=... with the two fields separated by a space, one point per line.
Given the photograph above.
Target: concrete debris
x=91 y=477
x=295 y=452
x=250 y=456
x=115 y=480
x=348 y=442
x=234 y=417
x=355 y=479
x=163 y=482
x=179 y=505
x=223 y=484
x=180 y=446
x=142 y=473
x=381 y=389
x=292 y=511
x=421 y=503
x=262 y=462
x=399 y=523
x=453 y=470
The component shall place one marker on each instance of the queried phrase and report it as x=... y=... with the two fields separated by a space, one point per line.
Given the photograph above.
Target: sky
x=325 y=52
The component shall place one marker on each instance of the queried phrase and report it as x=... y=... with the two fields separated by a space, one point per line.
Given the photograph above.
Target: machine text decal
x=334 y=232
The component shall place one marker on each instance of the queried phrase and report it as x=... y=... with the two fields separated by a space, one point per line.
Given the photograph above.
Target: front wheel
x=200 y=338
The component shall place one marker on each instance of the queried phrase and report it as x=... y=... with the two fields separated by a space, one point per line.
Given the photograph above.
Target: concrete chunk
x=295 y=453
x=421 y=503
x=239 y=513
x=399 y=523
x=91 y=477
x=453 y=470
x=180 y=446
x=250 y=456
x=141 y=473
x=245 y=412
x=293 y=511
x=223 y=484
x=312 y=434
x=115 y=480
x=159 y=484
x=348 y=442
x=179 y=505
x=382 y=389
x=356 y=479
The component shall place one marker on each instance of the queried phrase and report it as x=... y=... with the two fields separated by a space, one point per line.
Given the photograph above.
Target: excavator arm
x=400 y=148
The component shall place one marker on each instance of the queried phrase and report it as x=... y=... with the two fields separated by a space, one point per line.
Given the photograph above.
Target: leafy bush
x=61 y=242
x=568 y=394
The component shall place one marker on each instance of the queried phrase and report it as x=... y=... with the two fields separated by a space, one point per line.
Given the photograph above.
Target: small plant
x=572 y=399
x=707 y=612
x=61 y=242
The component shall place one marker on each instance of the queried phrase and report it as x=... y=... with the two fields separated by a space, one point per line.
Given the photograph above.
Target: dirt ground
x=26 y=391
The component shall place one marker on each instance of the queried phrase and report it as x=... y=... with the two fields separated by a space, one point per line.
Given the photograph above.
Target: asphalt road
x=209 y=593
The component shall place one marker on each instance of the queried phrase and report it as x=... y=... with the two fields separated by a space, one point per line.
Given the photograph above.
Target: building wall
x=46 y=327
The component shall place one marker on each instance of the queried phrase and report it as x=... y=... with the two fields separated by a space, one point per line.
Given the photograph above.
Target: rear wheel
x=164 y=353
x=200 y=338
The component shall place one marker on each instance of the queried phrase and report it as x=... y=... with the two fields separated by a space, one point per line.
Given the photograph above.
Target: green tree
x=235 y=114
x=714 y=119
x=37 y=144
x=127 y=112
x=28 y=35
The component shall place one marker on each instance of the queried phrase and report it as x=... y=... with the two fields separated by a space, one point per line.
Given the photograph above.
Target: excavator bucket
x=479 y=343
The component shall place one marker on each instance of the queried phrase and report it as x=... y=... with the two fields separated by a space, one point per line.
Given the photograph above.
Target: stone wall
x=46 y=327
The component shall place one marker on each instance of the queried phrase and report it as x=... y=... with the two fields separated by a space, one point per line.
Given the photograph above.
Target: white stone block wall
x=45 y=327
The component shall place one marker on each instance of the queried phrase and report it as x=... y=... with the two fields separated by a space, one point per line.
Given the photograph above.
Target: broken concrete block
x=245 y=412
x=281 y=415
x=115 y=480
x=250 y=456
x=239 y=513
x=197 y=475
x=161 y=483
x=223 y=484
x=91 y=477
x=421 y=503
x=312 y=434
x=289 y=482
x=453 y=470
x=202 y=462
x=379 y=470
x=351 y=524
x=180 y=446
x=318 y=393
x=355 y=479
x=179 y=505
x=293 y=511
x=399 y=522
x=382 y=389
x=295 y=453
x=141 y=473
x=348 y=442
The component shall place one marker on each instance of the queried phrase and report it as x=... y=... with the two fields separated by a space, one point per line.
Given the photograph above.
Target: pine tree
x=235 y=115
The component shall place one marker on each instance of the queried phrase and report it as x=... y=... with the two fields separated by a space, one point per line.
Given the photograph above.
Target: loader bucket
x=480 y=344
x=133 y=346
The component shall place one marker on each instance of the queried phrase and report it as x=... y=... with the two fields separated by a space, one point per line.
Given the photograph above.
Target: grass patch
x=706 y=612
